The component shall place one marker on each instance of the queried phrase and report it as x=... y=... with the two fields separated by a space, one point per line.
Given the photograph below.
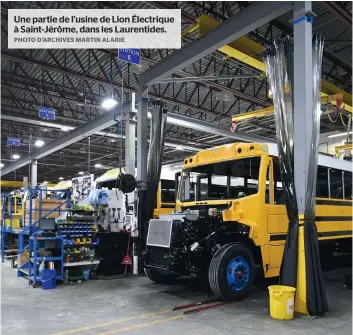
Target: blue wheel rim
x=238 y=273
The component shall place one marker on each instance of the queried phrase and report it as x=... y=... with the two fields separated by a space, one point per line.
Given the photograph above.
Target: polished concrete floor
x=137 y=306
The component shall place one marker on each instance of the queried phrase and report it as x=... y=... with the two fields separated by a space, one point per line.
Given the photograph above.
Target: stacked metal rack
x=34 y=262
x=79 y=233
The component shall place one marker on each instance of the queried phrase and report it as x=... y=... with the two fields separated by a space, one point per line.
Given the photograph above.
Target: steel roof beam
x=173 y=118
x=206 y=127
x=182 y=74
x=240 y=24
x=338 y=10
x=107 y=119
x=101 y=122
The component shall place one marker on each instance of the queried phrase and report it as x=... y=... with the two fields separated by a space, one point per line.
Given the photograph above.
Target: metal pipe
x=105 y=120
x=57 y=125
x=203 y=78
x=349 y=127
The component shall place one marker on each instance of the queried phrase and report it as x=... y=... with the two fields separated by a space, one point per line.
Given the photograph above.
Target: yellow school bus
x=12 y=215
x=230 y=222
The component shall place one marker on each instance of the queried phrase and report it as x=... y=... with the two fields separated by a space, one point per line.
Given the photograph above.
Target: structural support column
x=303 y=125
x=142 y=144
x=25 y=183
x=130 y=129
x=34 y=181
x=142 y=125
x=130 y=158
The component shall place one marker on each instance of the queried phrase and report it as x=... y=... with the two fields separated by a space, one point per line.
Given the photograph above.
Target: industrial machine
x=230 y=222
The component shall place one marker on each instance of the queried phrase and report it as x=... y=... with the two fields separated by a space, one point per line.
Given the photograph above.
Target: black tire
x=218 y=271
x=160 y=278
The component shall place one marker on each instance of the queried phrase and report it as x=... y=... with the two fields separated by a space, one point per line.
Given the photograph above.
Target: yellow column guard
x=300 y=294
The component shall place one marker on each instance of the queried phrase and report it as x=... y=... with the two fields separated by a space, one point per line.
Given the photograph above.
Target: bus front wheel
x=231 y=272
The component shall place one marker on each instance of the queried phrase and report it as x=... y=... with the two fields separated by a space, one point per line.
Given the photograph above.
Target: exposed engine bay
x=184 y=242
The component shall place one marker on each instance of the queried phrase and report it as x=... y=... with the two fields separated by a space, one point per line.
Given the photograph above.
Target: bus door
x=277 y=220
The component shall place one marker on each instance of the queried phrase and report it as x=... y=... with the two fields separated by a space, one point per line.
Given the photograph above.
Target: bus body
x=12 y=210
x=165 y=201
x=231 y=220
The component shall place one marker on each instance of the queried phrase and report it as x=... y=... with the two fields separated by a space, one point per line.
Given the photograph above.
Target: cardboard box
x=47 y=206
x=23 y=258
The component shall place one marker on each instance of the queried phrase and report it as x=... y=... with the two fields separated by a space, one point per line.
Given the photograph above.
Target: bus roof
x=323 y=160
x=243 y=150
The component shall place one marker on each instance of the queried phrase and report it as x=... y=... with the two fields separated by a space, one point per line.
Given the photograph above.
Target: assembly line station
x=219 y=39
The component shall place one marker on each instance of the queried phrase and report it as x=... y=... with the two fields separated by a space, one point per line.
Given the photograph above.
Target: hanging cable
x=121 y=118
x=346 y=125
x=89 y=155
x=15 y=169
x=29 y=152
x=41 y=92
x=328 y=115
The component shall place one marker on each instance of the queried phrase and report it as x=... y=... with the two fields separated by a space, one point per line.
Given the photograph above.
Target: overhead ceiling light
x=225 y=96
x=66 y=128
x=61 y=178
x=112 y=140
x=80 y=99
x=81 y=173
x=98 y=165
x=45 y=182
x=1 y=164
x=139 y=68
x=270 y=94
x=339 y=135
x=15 y=156
x=109 y=103
x=39 y=143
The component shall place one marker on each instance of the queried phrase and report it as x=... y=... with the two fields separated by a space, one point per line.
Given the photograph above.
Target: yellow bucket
x=281 y=302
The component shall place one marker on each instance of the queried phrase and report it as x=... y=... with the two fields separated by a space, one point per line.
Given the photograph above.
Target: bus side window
x=269 y=188
x=336 y=187
x=348 y=185
x=322 y=182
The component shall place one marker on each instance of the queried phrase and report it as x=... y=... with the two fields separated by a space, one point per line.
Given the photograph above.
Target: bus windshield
x=225 y=180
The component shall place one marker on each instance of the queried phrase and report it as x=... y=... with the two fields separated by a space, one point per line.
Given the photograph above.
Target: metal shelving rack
x=35 y=259
x=84 y=226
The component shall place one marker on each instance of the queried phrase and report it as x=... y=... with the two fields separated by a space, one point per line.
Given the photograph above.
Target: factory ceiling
x=74 y=82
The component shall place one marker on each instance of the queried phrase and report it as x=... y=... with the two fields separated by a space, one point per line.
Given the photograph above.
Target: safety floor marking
x=137 y=326
x=78 y=330
x=142 y=325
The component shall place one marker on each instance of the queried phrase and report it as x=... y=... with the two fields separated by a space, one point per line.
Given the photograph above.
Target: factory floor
x=135 y=305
